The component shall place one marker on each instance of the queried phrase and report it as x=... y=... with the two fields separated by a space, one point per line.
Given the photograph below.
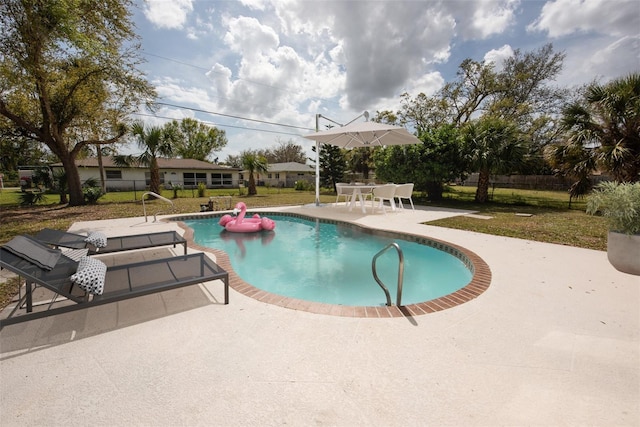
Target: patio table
x=357 y=194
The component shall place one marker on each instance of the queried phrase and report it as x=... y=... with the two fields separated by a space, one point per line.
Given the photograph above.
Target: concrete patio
x=555 y=340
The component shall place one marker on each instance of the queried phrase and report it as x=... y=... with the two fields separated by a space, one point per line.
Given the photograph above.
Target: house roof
x=163 y=163
x=290 y=167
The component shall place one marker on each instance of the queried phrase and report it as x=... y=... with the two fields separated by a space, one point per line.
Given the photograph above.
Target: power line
x=234 y=117
x=220 y=125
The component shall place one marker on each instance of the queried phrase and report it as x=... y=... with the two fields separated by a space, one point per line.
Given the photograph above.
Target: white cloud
x=610 y=17
x=498 y=56
x=597 y=60
x=286 y=60
x=380 y=46
x=168 y=14
x=491 y=17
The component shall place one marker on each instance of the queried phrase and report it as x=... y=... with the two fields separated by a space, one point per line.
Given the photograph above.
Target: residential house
x=282 y=174
x=184 y=172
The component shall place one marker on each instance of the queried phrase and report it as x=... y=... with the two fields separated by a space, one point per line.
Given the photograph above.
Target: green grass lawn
x=551 y=219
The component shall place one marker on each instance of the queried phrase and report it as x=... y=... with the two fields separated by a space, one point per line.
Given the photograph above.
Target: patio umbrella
x=364 y=134
x=360 y=134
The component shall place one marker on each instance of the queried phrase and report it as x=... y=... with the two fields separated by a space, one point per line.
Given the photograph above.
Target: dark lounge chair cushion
x=34 y=252
x=97 y=239
x=90 y=275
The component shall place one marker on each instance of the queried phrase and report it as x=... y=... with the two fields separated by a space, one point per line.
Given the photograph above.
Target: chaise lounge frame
x=66 y=239
x=121 y=282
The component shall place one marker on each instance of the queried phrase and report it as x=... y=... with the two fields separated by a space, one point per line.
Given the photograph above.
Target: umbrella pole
x=317 y=171
x=317 y=163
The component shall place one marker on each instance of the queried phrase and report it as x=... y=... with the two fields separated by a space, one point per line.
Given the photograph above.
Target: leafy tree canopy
x=196 y=140
x=69 y=75
x=602 y=132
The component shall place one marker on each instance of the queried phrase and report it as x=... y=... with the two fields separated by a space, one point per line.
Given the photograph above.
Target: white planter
x=623 y=251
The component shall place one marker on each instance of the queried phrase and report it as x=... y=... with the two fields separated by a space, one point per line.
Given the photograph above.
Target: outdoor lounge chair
x=120 y=282
x=65 y=239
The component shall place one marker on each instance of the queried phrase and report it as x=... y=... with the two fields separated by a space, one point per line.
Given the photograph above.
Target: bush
x=175 y=188
x=92 y=194
x=619 y=203
x=303 y=185
x=202 y=189
x=30 y=198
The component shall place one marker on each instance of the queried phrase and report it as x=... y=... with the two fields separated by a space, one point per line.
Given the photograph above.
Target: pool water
x=331 y=263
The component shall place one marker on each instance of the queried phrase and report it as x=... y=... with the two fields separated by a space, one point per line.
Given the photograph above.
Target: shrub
x=619 y=203
x=202 y=189
x=175 y=188
x=303 y=185
x=30 y=198
x=92 y=194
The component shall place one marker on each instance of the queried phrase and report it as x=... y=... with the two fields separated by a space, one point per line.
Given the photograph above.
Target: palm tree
x=156 y=142
x=492 y=146
x=604 y=128
x=253 y=162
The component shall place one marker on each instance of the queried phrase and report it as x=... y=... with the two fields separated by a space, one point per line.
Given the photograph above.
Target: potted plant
x=620 y=204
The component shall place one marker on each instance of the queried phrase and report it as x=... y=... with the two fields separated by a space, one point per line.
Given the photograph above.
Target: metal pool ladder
x=157 y=196
x=400 y=272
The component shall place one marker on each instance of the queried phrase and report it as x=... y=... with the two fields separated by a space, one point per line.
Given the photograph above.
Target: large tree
x=285 y=152
x=155 y=142
x=520 y=92
x=253 y=163
x=69 y=75
x=492 y=146
x=333 y=164
x=430 y=165
x=196 y=140
x=602 y=133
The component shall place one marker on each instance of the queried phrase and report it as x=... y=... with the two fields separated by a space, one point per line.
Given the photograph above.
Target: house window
x=147 y=178
x=221 y=179
x=113 y=174
x=191 y=179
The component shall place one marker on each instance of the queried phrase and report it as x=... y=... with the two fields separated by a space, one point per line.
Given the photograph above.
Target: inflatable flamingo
x=240 y=224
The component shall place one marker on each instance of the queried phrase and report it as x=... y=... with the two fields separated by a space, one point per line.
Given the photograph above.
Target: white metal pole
x=317 y=163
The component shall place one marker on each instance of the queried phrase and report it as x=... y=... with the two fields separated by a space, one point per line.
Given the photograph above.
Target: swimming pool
x=330 y=261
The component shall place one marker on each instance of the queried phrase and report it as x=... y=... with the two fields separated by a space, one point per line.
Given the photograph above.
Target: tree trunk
x=252 y=185
x=76 y=197
x=482 y=192
x=103 y=184
x=434 y=190
x=154 y=174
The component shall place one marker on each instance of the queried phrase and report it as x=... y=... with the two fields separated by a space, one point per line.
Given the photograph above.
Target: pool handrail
x=157 y=196
x=400 y=272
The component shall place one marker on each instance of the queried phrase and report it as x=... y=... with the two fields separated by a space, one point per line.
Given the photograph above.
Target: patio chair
x=343 y=190
x=40 y=265
x=404 y=191
x=382 y=193
x=97 y=243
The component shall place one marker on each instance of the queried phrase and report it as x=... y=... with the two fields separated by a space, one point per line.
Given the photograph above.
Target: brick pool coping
x=479 y=283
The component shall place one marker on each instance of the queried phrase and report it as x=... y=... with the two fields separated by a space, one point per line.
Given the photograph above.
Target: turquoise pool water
x=331 y=263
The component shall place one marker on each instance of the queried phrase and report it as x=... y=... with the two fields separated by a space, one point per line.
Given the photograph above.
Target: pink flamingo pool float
x=240 y=224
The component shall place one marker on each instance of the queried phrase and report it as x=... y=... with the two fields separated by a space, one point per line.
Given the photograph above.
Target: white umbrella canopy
x=359 y=134
x=364 y=134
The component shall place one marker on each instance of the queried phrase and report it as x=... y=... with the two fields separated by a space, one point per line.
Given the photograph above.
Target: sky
x=262 y=70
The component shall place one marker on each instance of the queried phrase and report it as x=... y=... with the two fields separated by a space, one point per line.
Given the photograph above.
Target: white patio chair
x=404 y=191
x=342 y=190
x=382 y=193
x=367 y=193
